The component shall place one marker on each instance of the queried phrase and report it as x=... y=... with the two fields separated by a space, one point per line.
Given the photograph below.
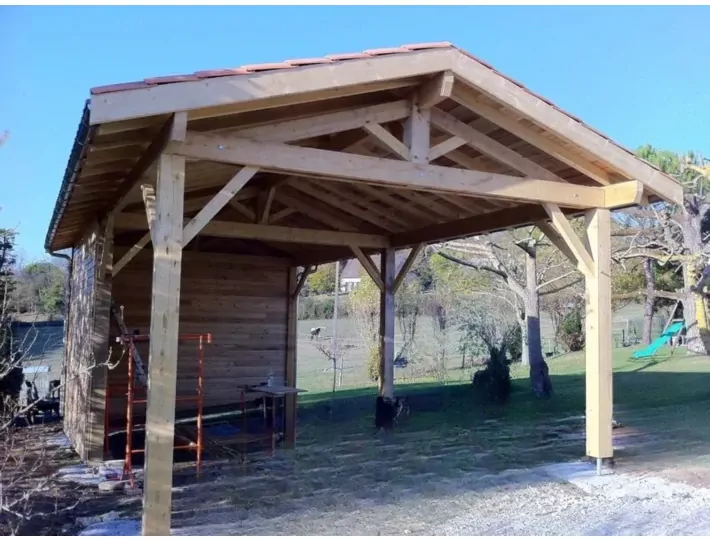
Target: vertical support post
x=100 y=343
x=163 y=350
x=416 y=134
x=599 y=381
x=290 y=401
x=387 y=271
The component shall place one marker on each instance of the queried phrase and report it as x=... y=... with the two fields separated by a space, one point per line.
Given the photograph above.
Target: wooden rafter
x=491 y=147
x=315 y=209
x=319 y=193
x=228 y=95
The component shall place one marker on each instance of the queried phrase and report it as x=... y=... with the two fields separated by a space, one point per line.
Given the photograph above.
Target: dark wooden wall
x=79 y=346
x=241 y=300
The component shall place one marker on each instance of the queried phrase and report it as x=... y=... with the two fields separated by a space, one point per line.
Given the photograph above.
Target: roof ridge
x=270 y=66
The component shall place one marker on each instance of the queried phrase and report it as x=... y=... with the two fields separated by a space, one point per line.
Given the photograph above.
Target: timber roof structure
x=330 y=145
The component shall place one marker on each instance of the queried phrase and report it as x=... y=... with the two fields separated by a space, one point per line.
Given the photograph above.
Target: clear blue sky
x=637 y=74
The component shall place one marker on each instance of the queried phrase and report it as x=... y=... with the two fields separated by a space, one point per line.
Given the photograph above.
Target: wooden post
x=387 y=271
x=290 y=402
x=163 y=351
x=598 y=337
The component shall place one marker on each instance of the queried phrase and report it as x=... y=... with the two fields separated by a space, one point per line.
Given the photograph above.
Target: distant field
x=315 y=374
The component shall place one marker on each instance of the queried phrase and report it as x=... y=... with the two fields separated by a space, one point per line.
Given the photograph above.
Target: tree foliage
x=40 y=288
x=322 y=281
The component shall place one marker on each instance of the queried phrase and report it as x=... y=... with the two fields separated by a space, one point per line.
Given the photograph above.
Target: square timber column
x=599 y=381
x=387 y=271
x=166 y=235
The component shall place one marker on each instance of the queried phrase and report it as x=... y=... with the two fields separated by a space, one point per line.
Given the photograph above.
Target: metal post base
x=599 y=466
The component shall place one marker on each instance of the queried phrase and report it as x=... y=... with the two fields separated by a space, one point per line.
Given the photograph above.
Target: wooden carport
x=315 y=160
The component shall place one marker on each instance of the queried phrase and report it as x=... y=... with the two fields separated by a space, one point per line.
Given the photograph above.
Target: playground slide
x=651 y=350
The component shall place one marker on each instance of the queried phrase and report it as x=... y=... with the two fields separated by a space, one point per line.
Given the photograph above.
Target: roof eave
x=81 y=141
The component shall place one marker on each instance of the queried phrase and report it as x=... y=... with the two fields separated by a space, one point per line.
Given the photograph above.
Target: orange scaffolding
x=131 y=400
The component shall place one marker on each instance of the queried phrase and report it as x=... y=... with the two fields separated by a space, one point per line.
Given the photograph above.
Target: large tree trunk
x=650 y=300
x=692 y=238
x=539 y=371
x=525 y=357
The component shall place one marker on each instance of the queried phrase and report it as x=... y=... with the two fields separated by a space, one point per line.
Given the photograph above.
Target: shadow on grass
x=452 y=443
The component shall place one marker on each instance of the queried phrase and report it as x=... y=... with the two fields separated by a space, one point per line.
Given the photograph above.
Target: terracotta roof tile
x=346 y=56
x=118 y=87
x=424 y=46
x=309 y=61
x=386 y=50
x=209 y=73
x=267 y=66
x=171 y=79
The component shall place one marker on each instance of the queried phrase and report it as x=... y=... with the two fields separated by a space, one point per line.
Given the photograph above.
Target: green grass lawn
x=665 y=399
x=638 y=384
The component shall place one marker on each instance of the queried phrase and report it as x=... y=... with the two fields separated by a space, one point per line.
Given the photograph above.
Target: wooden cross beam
x=270 y=233
x=354 y=168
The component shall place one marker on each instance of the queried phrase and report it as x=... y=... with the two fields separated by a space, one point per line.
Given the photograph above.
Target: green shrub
x=572 y=331
x=321 y=307
x=493 y=383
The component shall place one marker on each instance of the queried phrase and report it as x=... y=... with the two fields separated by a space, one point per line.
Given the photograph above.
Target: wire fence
x=453 y=364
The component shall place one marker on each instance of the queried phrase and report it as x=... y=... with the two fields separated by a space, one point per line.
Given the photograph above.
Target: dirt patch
x=41 y=502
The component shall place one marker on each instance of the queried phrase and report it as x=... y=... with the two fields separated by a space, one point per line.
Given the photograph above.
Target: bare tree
x=520 y=265
x=673 y=237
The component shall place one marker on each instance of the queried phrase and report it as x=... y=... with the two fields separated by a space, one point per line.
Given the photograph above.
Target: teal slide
x=664 y=338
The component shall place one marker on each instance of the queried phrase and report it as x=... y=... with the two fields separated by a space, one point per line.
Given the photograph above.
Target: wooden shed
x=198 y=202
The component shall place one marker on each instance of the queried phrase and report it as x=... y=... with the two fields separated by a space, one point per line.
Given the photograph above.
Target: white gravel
x=574 y=501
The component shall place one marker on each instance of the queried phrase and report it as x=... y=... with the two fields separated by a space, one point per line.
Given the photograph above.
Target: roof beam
x=435 y=91
x=564 y=229
x=212 y=208
x=532 y=137
x=484 y=144
x=319 y=192
x=314 y=210
x=444 y=147
x=407 y=266
x=470 y=226
x=276 y=88
x=269 y=233
x=326 y=124
x=171 y=134
x=389 y=141
x=369 y=267
x=552 y=119
x=349 y=167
